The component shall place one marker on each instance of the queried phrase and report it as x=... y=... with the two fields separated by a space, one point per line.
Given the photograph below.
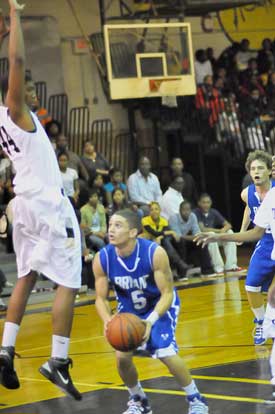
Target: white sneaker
x=198 y=406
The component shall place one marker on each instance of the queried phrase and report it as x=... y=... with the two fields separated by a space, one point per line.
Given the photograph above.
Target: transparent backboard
x=141 y=55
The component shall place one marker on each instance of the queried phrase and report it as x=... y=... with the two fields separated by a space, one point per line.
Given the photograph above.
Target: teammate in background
x=139 y=271
x=261 y=268
x=45 y=230
x=263 y=220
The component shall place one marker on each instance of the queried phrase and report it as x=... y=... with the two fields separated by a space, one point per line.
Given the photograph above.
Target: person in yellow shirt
x=156 y=228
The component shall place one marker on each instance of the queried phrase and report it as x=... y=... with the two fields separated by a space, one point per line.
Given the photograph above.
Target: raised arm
x=15 y=99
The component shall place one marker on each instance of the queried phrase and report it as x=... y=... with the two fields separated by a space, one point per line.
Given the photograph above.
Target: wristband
x=152 y=318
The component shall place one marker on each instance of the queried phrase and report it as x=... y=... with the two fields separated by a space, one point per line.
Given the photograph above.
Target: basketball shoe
x=197 y=404
x=57 y=371
x=258 y=333
x=138 y=405
x=8 y=376
x=272 y=399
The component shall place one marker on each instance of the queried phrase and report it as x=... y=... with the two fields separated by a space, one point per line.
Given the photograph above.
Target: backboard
x=149 y=60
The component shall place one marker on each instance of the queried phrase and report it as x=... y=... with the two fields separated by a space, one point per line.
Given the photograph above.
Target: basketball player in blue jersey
x=261 y=268
x=46 y=234
x=140 y=274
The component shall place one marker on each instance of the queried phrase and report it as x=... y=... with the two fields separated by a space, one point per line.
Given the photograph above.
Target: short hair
x=204 y=195
x=5 y=83
x=131 y=217
x=51 y=123
x=260 y=156
x=114 y=170
x=93 y=191
x=184 y=202
x=61 y=153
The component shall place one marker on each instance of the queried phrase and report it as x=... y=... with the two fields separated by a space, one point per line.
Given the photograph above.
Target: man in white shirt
x=172 y=198
x=143 y=186
x=265 y=218
x=203 y=66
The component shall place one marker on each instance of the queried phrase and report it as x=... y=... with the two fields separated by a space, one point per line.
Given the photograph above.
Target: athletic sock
x=137 y=390
x=10 y=333
x=259 y=312
x=191 y=389
x=60 y=346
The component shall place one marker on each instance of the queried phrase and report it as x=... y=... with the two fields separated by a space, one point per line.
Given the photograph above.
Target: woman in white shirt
x=69 y=177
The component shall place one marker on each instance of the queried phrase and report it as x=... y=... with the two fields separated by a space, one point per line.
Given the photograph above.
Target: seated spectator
x=69 y=177
x=5 y=178
x=93 y=222
x=270 y=92
x=119 y=202
x=227 y=59
x=144 y=186
x=250 y=84
x=156 y=228
x=203 y=66
x=98 y=184
x=185 y=225
x=252 y=70
x=208 y=101
x=243 y=55
x=266 y=57
x=189 y=191
x=252 y=107
x=172 y=198
x=115 y=182
x=211 y=220
x=74 y=160
x=53 y=130
x=94 y=162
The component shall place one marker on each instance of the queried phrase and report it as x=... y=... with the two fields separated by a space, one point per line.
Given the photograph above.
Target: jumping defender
x=139 y=271
x=45 y=230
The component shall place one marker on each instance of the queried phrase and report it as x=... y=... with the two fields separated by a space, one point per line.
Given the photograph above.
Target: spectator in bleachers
x=266 y=58
x=119 y=202
x=211 y=220
x=69 y=177
x=252 y=70
x=227 y=58
x=172 y=198
x=252 y=107
x=208 y=101
x=156 y=228
x=203 y=66
x=270 y=92
x=185 y=224
x=93 y=222
x=53 y=130
x=98 y=184
x=94 y=162
x=210 y=56
x=189 y=191
x=74 y=160
x=115 y=182
x=5 y=178
x=252 y=83
x=144 y=186
x=243 y=55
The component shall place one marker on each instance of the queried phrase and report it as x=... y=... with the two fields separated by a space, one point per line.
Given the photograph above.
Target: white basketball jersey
x=32 y=155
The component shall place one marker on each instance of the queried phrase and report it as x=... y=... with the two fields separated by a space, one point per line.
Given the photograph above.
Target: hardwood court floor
x=214 y=336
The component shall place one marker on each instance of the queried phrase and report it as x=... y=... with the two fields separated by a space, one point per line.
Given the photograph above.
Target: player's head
x=154 y=210
x=116 y=175
x=63 y=160
x=259 y=165
x=124 y=226
x=30 y=92
x=93 y=197
x=185 y=209
x=205 y=202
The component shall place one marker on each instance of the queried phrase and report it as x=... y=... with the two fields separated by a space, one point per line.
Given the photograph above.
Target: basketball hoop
x=155 y=84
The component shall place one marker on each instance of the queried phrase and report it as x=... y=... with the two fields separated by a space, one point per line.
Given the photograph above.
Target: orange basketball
x=125 y=332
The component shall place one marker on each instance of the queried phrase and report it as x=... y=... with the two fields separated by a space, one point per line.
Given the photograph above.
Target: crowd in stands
x=236 y=92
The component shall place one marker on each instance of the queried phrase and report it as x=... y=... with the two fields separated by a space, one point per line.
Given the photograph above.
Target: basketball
x=125 y=332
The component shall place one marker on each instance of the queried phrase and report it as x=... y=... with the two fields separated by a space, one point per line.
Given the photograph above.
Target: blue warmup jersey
x=261 y=267
x=132 y=278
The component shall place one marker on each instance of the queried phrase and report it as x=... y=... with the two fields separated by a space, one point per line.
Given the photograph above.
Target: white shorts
x=46 y=237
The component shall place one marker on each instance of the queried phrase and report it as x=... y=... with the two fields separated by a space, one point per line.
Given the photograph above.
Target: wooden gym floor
x=214 y=336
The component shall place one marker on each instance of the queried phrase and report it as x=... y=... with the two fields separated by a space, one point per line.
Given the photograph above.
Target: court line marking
x=211 y=396
x=228 y=379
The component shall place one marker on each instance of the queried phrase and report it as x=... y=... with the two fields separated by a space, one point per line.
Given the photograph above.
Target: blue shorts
x=261 y=268
x=162 y=342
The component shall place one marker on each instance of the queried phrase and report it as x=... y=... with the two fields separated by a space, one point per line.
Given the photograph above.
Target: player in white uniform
x=265 y=218
x=45 y=230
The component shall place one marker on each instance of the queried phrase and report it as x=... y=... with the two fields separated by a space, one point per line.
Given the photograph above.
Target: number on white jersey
x=7 y=142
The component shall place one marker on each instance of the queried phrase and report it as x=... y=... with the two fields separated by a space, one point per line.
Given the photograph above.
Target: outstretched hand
x=203 y=239
x=15 y=6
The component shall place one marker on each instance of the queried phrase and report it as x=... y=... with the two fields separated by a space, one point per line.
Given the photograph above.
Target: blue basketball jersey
x=254 y=203
x=132 y=277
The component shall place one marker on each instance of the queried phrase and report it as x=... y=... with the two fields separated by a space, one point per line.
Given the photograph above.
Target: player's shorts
x=46 y=237
x=261 y=268
x=162 y=342
x=269 y=323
